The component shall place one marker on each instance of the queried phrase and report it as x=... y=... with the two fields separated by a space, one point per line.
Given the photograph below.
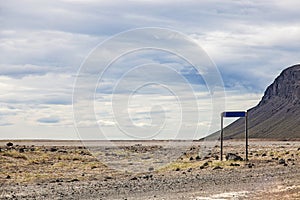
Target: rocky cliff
x=277 y=116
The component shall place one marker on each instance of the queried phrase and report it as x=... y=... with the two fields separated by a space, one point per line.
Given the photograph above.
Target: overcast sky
x=44 y=43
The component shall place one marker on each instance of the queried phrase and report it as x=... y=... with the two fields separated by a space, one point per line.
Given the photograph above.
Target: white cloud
x=42 y=44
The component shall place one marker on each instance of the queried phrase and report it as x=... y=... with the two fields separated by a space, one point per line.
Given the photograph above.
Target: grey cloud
x=250 y=41
x=49 y=120
x=6 y=124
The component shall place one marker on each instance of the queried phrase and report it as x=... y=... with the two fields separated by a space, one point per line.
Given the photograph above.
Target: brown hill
x=277 y=116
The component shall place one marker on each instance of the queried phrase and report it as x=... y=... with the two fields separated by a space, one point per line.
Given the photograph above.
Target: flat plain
x=41 y=169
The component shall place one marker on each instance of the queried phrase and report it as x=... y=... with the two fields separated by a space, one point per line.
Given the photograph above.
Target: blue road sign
x=234 y=114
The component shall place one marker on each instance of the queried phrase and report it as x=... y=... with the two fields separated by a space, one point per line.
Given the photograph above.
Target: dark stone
x=190 y=170
x=191 y=158
x=22 y=150
x=217 y=167
x=198 y=158
x=146 y=177
x=234 y=164
x=281 y=161
x=177 y=169
x=216 y=157
x=204 y=165
x=9 y=144
x=151 y=169
x=250 y=165
x=134 y=179
x=207 y=157
x=8 y=177
x=107 y=178
x=74 y=180
x=234 y=157
x=264 y=154
x=53 y=149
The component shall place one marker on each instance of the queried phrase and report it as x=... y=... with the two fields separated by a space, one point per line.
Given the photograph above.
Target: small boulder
x=217 y=167
x=198 y=158
x=145 y=177
x=281 y=161
x=107 y=178
x=151 y=169
x=22 y=150
x=204 y=165
x=9 y=144
x=134 y=179
x=250 y=165
x=53 y=149
x=234 y=157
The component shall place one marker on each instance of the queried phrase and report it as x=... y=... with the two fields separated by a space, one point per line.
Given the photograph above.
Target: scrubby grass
x=182 y=165
x=207 y=164
x=14 y=154
x=42 y=165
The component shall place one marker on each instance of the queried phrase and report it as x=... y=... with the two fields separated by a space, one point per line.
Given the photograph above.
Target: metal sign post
x=234 y=114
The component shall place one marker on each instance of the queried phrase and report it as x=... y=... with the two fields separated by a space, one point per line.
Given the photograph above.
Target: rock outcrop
x=277 y=116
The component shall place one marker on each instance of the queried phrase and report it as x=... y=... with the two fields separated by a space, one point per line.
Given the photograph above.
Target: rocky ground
x=42 y=171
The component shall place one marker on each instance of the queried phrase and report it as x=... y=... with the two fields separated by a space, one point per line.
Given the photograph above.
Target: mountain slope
x=277 y=116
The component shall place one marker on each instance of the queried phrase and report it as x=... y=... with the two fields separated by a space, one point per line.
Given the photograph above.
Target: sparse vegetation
x=44 y=165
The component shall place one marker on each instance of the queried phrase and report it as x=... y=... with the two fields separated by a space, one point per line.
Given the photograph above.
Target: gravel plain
x=61 y=171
